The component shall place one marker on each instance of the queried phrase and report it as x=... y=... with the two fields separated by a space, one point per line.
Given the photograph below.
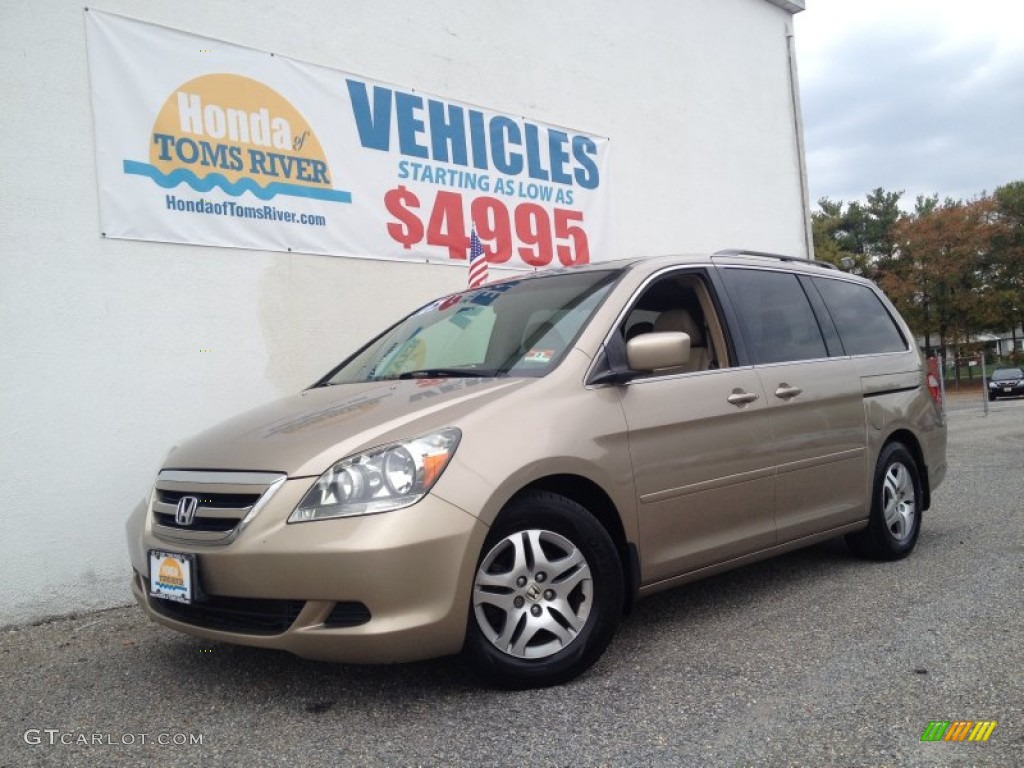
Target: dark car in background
x=1006 y=382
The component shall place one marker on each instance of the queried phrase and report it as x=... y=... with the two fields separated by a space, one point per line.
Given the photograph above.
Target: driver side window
x=680 y=302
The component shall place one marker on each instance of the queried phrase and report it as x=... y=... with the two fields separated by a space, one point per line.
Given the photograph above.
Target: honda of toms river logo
x=958 y=730
x=237 y=134
x=170 y=576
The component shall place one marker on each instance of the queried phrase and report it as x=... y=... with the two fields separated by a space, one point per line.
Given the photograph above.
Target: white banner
x=200 y=141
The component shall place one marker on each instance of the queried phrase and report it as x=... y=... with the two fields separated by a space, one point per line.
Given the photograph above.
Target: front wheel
x=895 y=520
x=547 y=594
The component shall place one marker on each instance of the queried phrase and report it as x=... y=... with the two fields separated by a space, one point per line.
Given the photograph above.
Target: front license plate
x=171 y=575
x=1007 y=390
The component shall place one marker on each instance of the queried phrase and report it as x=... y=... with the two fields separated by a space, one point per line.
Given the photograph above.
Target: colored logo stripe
x=205 y=184
x=982 y=730
x=958 y=730
x=935 y=730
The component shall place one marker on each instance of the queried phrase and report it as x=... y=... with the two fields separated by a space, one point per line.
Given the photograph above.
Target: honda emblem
x=186 y=511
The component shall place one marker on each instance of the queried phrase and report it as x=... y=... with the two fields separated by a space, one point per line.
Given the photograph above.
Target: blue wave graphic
x=208 y=182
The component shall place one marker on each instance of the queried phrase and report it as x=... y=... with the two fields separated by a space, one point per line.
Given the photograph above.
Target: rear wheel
x=895 y=520
x=547 y=594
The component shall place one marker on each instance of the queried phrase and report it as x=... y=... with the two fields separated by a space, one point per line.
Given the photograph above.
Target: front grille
x=207 y=499
x=219 y=524
x=233 y=614
x=219 y=512
x=224 y=502
x=253 y=616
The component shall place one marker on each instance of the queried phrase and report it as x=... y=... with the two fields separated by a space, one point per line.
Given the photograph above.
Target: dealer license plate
x=171 y=575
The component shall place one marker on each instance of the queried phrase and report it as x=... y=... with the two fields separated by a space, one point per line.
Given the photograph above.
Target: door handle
x=787 y=392
x=741 y=398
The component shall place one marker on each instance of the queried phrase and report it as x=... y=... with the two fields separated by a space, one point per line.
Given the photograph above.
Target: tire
x=991 y=398
x=548 y=593
x=895 y=520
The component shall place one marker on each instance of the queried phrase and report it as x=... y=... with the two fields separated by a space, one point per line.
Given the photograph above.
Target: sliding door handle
x=786 y=392
x=741 y=398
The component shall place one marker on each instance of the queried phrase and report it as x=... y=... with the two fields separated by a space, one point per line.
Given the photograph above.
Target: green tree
x=1007 y=259
x=881 y=214
x=828 y=227
x=856 y=236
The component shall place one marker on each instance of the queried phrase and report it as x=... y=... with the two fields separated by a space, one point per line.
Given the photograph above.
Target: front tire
x=547 y=594
x=895 y=520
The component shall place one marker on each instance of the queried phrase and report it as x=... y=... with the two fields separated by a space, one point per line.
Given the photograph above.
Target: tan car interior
x=681 y=303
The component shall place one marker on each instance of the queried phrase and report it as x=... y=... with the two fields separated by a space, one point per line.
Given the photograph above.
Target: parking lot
x=812 y=659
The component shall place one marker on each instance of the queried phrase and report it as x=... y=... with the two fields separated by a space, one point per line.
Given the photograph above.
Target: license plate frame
x=172 y=576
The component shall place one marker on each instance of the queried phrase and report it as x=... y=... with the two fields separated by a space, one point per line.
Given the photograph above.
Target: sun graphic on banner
x=237 y=134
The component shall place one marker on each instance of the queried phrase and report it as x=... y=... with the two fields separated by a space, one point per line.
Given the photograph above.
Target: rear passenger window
x=776 y=318
x=864 y=324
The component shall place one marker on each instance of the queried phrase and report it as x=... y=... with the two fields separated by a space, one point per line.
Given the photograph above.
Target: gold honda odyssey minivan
x=504 y=471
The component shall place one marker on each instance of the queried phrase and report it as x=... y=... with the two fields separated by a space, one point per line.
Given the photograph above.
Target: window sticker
x=539 y=356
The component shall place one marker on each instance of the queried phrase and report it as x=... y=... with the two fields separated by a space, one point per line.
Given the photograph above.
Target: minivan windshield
x=517 y=327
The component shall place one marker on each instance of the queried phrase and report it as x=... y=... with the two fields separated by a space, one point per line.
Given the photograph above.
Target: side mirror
x=652 y=351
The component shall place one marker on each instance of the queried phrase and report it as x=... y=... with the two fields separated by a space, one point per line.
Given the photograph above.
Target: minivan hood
x=305 y=433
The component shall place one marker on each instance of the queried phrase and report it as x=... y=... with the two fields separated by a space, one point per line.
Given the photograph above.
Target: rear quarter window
x=776 y=318
x=864 y=324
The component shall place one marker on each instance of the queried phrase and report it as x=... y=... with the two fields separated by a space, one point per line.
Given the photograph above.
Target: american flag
x=477 y=262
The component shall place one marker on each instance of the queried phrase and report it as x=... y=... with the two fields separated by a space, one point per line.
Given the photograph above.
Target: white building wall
x=115 y=350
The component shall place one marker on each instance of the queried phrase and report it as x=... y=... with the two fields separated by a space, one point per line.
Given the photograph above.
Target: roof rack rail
x=780 y=257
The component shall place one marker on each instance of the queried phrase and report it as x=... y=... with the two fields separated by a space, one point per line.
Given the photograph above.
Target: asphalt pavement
x=812 y=659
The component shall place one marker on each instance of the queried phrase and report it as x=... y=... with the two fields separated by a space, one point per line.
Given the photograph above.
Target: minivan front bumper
x=380 y=588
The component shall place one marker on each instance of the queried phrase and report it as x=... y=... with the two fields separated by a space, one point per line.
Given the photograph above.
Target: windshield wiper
x=446 y=373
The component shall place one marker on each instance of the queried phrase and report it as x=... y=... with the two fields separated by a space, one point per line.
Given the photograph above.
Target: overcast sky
x=926 y=96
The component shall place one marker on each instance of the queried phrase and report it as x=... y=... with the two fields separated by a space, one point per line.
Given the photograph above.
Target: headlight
x=379 y=480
